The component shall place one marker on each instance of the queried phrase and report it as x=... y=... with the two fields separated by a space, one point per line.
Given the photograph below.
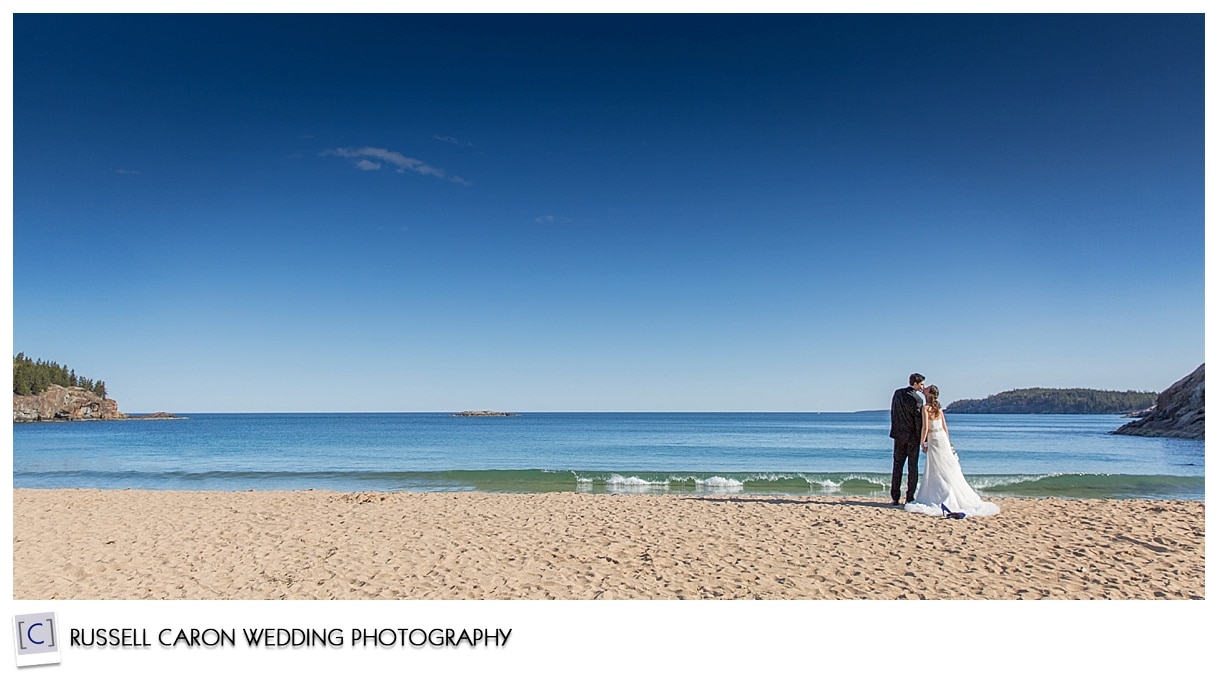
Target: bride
x=943 y=488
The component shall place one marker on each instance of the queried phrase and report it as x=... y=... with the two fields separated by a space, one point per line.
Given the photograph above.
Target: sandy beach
x=95 y=544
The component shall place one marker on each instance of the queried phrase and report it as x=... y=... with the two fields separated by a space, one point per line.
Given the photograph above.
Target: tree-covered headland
x=1056 y=401
x=31 y=377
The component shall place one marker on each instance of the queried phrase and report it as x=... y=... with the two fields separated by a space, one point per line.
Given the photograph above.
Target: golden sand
x=95 y=544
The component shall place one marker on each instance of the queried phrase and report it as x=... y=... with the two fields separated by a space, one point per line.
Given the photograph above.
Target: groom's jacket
x=906 y=415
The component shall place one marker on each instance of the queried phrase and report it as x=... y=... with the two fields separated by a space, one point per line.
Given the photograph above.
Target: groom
x=906 y=436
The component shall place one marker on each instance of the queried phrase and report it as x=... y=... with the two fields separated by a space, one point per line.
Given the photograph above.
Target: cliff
x=64 y=403
x=1178 y=412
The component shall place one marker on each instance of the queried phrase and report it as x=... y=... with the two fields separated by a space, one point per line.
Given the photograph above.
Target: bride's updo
x=932 y=401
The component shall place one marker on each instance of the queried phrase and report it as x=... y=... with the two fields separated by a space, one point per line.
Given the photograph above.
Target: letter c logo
x=29 y=634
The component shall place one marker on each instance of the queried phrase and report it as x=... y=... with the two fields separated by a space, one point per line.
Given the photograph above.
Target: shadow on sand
x=882 y=504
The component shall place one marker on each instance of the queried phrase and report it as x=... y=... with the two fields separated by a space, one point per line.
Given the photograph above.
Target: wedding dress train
x=943 y=485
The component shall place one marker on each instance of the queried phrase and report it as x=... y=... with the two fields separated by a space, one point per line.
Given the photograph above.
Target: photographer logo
x=36 y=639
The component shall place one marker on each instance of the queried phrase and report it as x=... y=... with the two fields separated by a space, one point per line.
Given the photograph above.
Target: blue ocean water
x=845 y=454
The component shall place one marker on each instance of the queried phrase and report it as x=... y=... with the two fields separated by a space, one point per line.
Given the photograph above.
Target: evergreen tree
x=1056 y=401
x=32 y=377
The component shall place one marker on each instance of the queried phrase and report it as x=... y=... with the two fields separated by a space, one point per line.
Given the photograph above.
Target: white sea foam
x=831 y=485
x=825 y=484
x=720 y=484
x=632 y=481
x=633 y=484
x=992 y=481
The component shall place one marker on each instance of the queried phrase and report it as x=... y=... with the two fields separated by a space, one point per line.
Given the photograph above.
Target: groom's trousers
x=904 y=451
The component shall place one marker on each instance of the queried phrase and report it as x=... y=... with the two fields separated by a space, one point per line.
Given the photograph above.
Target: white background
x=882 y=636
x=888 y=637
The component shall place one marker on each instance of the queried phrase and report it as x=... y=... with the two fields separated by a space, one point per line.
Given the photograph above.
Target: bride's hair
x=932 y=401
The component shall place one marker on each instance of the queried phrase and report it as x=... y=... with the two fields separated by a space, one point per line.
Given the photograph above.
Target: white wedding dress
x=943 y=483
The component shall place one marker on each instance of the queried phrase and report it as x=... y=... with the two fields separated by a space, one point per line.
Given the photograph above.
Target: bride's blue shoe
x=950 y=514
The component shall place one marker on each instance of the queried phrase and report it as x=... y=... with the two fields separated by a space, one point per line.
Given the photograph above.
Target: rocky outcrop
x=64 y=403
x=155 y=415
x=1178 y=412
x=483 y=413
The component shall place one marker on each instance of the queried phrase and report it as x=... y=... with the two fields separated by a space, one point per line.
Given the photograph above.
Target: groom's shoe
x=896 y=502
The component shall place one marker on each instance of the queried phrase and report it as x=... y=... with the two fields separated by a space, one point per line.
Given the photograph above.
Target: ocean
x=835 y=454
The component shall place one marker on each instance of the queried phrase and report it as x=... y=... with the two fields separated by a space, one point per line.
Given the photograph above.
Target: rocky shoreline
x=1178 y=412
x=73 y=403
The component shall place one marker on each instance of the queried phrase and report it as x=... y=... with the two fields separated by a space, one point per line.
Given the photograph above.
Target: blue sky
x=415 y=213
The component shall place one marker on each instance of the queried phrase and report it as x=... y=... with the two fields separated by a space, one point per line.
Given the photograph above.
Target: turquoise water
x=750 y=453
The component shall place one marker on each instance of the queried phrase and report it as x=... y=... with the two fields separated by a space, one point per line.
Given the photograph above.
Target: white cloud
x=127 y=172
x=360 y=158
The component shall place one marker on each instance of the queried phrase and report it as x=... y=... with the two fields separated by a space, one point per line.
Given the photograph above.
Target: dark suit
x=906 y=437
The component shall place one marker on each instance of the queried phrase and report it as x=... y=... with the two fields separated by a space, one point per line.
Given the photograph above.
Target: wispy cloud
x=363 y=159
x=451 y=140
x=127 y=172
x=551 y=220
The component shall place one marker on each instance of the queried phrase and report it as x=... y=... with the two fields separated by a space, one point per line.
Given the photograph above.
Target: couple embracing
x=919 y=426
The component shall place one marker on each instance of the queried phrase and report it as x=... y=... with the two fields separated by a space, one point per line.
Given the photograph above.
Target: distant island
x=1056 y=401
x=484 y=413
